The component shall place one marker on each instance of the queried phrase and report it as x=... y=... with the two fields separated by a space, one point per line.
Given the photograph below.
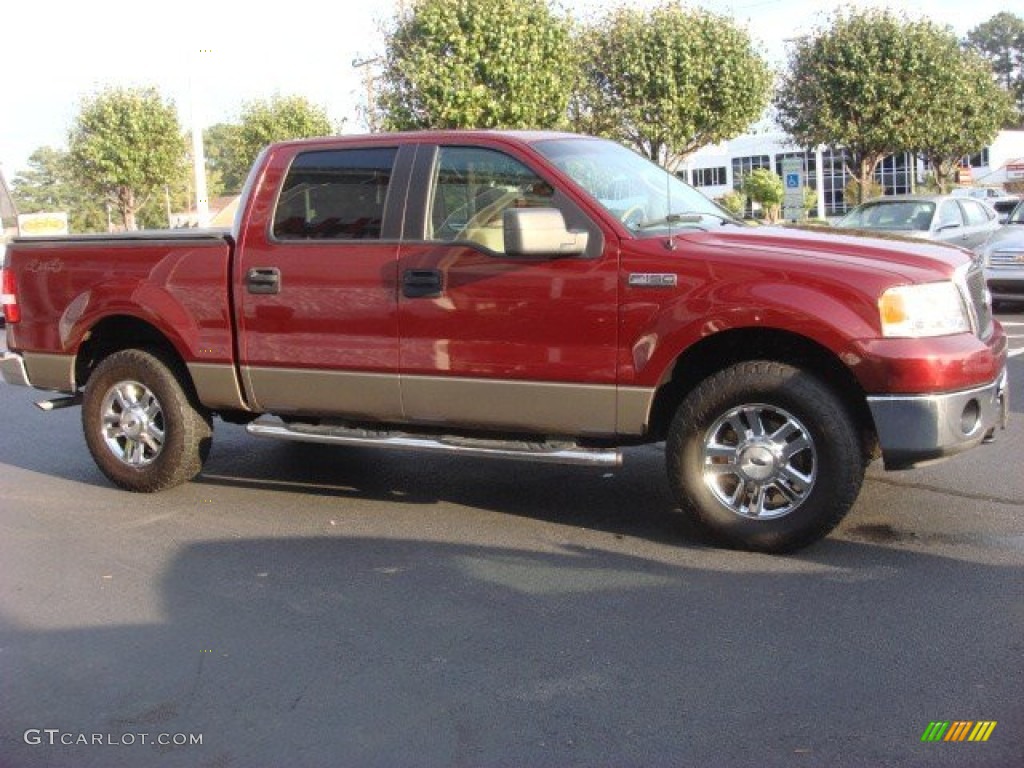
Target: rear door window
x=335 y=195
x=975 y=213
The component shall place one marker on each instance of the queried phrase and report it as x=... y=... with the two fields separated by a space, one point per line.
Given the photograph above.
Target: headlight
x=931 y=309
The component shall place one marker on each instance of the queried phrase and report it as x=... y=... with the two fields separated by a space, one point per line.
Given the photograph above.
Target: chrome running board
x=517 y=450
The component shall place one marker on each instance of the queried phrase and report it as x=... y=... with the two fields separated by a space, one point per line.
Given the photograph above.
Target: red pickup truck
x=536 y=296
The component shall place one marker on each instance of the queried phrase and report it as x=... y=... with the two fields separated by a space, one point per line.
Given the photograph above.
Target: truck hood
x=908 y=259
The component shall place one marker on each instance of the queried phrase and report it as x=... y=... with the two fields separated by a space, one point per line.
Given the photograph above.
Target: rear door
x=979 y=223
x=315 y=283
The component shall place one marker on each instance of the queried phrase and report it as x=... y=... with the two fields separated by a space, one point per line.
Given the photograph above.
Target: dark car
x=961 y=221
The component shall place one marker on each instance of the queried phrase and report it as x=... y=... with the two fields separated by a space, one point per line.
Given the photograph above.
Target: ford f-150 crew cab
x=539 y=296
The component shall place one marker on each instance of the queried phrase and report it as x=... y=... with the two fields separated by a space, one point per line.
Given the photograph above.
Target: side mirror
x=541 y=232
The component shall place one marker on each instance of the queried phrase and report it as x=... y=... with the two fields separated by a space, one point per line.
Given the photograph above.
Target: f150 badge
x=652 y=280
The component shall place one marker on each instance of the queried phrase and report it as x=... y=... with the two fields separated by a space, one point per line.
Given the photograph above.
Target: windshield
x=1017 y=215
x=646 y=198
x=910 y=216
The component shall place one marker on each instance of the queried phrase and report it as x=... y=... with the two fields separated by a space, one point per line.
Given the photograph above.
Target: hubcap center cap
x=134 y=423
x=758 y=462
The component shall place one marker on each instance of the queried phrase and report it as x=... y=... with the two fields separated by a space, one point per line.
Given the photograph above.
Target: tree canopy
x=221 y=146
x=965 y=112
x=765 y=187
x=477 y=64
x=1000 y=40
x=47 y=186
x=877 y=84
x=279 y=118
x=125 y=144
x=669 y=81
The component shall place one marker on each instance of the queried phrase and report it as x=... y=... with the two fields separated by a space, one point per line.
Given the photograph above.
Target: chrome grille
x=1006 y=258
x=977 y=296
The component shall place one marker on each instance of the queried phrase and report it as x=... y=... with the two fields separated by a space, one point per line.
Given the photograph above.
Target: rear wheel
x=145 y=431
x=764 y=456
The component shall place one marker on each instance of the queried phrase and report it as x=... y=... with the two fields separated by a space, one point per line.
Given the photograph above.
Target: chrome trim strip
x=13 y=371
x=653 y=280
x=488 y=449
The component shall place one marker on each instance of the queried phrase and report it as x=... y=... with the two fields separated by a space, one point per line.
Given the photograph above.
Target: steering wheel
x=637 y=212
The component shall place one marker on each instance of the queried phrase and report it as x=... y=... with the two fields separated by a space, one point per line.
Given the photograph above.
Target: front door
x=489 y=341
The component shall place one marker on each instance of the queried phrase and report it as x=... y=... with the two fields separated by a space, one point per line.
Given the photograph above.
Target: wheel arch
x=117 y=332
x=717 y=352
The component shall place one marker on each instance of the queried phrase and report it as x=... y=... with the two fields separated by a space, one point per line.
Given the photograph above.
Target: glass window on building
x=835 y=178
x=894 y=173
x=979 y=160
x=741 y=166
x=710 y=177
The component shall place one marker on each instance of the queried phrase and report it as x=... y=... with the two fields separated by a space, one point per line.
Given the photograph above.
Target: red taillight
x=8 y=297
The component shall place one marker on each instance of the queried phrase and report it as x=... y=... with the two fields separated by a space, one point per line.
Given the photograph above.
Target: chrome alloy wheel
x=759 y=461
x=132 y=423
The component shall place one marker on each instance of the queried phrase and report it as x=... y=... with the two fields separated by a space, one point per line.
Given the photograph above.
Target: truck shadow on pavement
x=631 y=500
x=348 y=651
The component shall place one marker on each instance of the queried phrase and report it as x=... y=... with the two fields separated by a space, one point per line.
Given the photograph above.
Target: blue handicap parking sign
x=792 y=180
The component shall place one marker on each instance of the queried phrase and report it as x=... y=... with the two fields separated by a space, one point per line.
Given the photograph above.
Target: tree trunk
x=127 y=207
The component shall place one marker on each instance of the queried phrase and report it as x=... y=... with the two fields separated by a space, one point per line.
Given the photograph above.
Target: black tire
x=145 y=430
x=764 y=456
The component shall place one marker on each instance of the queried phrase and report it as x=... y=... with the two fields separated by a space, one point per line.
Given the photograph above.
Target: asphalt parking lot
x=305 y=607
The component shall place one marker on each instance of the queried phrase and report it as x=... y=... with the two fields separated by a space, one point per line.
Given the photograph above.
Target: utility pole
x=368 y=82
x=198 y=155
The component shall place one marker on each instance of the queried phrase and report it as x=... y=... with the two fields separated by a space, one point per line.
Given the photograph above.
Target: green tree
x=280 y=118
x=221 y=144
x=1001 y=41
x=965 y=113
x=477 y=64
x=669 y=81
x=47 y=185
x=865 y=83
x=735 y=202
x=126 y=144
x=765 y=187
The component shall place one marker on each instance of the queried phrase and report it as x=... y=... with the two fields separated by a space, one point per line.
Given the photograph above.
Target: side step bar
x=552 y=453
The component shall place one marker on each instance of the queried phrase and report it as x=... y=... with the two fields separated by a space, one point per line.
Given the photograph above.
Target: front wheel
x=143 y=428
x=764 y=456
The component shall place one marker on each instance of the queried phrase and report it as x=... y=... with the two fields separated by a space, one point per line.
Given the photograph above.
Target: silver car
x=1004 y=259
x=961 y=221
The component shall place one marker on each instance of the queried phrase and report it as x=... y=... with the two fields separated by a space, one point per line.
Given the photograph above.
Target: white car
x=994 y=196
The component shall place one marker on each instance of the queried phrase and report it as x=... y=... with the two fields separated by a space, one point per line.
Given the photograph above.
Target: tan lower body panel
x=549 y=408
x=369 y=396
x=48 y=371
x=217 y=386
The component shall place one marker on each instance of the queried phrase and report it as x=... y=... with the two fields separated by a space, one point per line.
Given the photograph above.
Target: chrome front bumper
x=13 y=371
x=917 y=429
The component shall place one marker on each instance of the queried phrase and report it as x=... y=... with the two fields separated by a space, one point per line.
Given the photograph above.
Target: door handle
x=422 y=283
x=263 y=280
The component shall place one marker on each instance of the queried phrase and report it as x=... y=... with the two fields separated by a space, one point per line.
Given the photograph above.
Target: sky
x=213 y=57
